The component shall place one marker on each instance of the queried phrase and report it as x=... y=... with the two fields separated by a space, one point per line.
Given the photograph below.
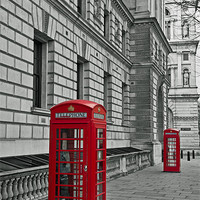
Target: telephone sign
x=171 y=150
x=77 y=157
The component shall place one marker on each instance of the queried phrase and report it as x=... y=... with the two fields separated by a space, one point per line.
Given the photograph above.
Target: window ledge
x=109 y=122
x=125 y=124
x=40 y=111
x=96 y=17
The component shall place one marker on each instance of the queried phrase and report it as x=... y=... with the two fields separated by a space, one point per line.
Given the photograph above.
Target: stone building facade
x=107 y=51
x=181 y=33
x=148 y=76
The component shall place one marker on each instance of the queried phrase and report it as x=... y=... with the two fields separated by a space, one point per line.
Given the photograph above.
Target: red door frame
x=52 y=168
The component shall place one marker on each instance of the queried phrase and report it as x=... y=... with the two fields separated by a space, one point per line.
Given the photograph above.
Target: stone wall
x=66 y=39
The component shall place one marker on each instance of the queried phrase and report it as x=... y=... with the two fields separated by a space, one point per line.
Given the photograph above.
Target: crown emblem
x=99 y=109
x=71 y=108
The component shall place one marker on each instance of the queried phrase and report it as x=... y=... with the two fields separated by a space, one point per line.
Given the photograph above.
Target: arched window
x=185 y=29
x=96 y=8
x=167 y=13
x=186 y=77
x=167 y=24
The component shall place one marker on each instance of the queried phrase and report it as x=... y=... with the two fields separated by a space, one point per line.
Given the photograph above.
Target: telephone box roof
x=171 y=129
x=89 y=104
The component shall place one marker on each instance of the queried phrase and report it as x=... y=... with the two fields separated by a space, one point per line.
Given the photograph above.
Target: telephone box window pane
x=99 y=189
x=69 y=144
x=66 y=156
x=99 y=177
x=81 y=193
x=56 y=167
x=99 y=155
x=100 y=144
x=75 y=168
x=81 y=133
x=69 y=191
x=99 y=133
x=69 y=168
x=69 y=133
x=81 y=157
x=64 y=179
x=57 y=156
x=100 y=166
x=57 y=144
x=56 y=192
x=65 y=168
x=100 y=197
x=81 y=146
x=56 y=178
x=57 y=133
x=81 y=182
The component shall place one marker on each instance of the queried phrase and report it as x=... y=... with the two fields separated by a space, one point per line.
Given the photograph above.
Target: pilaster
x=179 y=79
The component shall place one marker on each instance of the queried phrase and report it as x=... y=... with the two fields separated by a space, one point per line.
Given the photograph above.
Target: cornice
x=124 y=10
x=83 y=24
x=184 y=42
x=154 y=22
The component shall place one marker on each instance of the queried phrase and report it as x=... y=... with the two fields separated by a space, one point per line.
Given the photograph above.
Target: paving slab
x=153 y=183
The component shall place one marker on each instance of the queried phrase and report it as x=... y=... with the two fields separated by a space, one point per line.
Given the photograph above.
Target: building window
x=124 y=97
x=167 y=13
x=185 y=29
x=40 y=74
x=185 y=56
x=117 y=29
x=156 y=51
x=81 y=7
x=186 y=77
x=106 y=76
x=169 y=75
x=37 y=75
x=106 y=24
x=107 y=103
x=164 y=61
x=80 y=81
x=168 y=29
x=96 y=8
x=124 y=42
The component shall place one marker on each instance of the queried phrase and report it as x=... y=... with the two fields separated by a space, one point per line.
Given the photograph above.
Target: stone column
x=10 y=191
x=179 y=83
x=158 y=2
x=153 y=5
x=4 y=190
x=172 y=29
x=172 y=77
x=193 y=69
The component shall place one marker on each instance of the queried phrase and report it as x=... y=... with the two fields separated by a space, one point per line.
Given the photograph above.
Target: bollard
x=181 y=154
x=193 y=154
x=188 y=156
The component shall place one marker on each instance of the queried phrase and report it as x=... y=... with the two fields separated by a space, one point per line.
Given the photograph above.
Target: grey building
x=108 y=51
x=181 y=31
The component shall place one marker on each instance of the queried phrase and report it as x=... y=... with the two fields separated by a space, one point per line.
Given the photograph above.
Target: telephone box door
x=70 y=161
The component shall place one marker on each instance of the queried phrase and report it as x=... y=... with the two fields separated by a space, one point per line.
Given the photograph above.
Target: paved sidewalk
x=153 y=183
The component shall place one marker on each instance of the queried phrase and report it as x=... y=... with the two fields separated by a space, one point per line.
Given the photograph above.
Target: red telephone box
x=171 y=150
x=77 y=156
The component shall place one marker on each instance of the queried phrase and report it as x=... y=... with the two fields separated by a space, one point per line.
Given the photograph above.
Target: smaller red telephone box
x=171 y=150
x=77 y=156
